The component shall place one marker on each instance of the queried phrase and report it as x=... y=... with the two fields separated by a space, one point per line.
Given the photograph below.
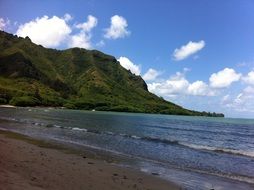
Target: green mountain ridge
x=76 y=78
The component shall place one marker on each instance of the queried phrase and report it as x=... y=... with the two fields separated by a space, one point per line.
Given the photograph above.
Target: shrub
x=83 y=104
x=24 y=101
x=69 y=106
x=122 y=108
x=103 y=108
x=52 y=101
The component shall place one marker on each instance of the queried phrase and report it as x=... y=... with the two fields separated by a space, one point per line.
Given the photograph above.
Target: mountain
x=76 y=78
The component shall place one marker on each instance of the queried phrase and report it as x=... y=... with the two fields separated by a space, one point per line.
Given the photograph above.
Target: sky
x=196 y=53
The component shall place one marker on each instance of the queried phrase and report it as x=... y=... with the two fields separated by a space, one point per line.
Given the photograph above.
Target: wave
x=201 y=147
x=158 y=140
x=238 y=177
x=232 y=176
x=220 y=150
x=144 y=138
x=79 y=129
x=164 y=141
x=19 y=120
x=205 y=130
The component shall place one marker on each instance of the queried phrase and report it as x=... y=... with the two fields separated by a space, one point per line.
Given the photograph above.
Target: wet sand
x=28 y=165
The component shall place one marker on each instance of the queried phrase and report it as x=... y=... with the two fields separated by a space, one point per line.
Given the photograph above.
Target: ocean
x=196 y=152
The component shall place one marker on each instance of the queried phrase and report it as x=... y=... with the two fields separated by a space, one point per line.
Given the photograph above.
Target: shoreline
x=92 y=110
x=27 y=163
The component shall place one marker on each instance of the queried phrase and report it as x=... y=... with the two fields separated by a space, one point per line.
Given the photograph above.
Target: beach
x=26 y=164
x=68 y=148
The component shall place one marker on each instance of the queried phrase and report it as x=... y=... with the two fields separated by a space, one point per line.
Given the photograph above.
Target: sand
x=25 y=165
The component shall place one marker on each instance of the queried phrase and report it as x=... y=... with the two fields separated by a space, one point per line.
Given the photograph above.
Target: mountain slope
x=32 y=75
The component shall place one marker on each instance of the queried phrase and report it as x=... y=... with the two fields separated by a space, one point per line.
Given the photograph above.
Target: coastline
x=204 y=114
x=33 y=164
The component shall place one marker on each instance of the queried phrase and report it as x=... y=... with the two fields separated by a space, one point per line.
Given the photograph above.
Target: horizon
x=203 y=63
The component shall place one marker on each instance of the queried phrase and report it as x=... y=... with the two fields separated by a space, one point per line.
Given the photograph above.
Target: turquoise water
x=196 y=152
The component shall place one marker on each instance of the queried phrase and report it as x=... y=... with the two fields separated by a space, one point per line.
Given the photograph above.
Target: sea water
x=195 y=152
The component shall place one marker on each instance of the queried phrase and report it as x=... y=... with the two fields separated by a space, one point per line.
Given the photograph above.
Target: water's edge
x=111 y=158
x=110 y=133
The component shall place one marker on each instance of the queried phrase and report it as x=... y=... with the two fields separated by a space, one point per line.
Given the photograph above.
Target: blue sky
x=199 y=53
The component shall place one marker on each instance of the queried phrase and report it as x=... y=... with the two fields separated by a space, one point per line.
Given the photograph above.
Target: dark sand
x=27 y=165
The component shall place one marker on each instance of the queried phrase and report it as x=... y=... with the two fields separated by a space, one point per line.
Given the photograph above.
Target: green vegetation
x=31 y=75
x=24 y=101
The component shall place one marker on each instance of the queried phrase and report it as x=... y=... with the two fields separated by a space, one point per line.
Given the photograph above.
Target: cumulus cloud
x=176 y=84
x=82 y=39
x=151 y=74
x=187 y=50
x=117 y=29
x=49 y=32
x=243 y=102
x=56 y=31
x=4 y=23
x=199 y=88
x=127 y=64
x=249 y=79
x=179 y=85
x=67 y=17
x=89 y=24
x=224 y=78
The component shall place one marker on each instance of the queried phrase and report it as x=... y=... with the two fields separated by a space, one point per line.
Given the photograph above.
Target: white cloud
x=82 y=39
x=247 y=64
x=4 y=23
x=199 y=88
x=117 y=29
x=249 y=79
x=151 y=74
x=225 y=99
x=187 y=50
x=176 y=84
x=101 y=43
x=49 y=32
x=243 y=102
x=55 y=31
x=224 y=78
x=242 y=64
x=179 y=85
x=67 y=17
x=185 y=70
x=127 y=64
x=249 y=91
x=89 y=24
